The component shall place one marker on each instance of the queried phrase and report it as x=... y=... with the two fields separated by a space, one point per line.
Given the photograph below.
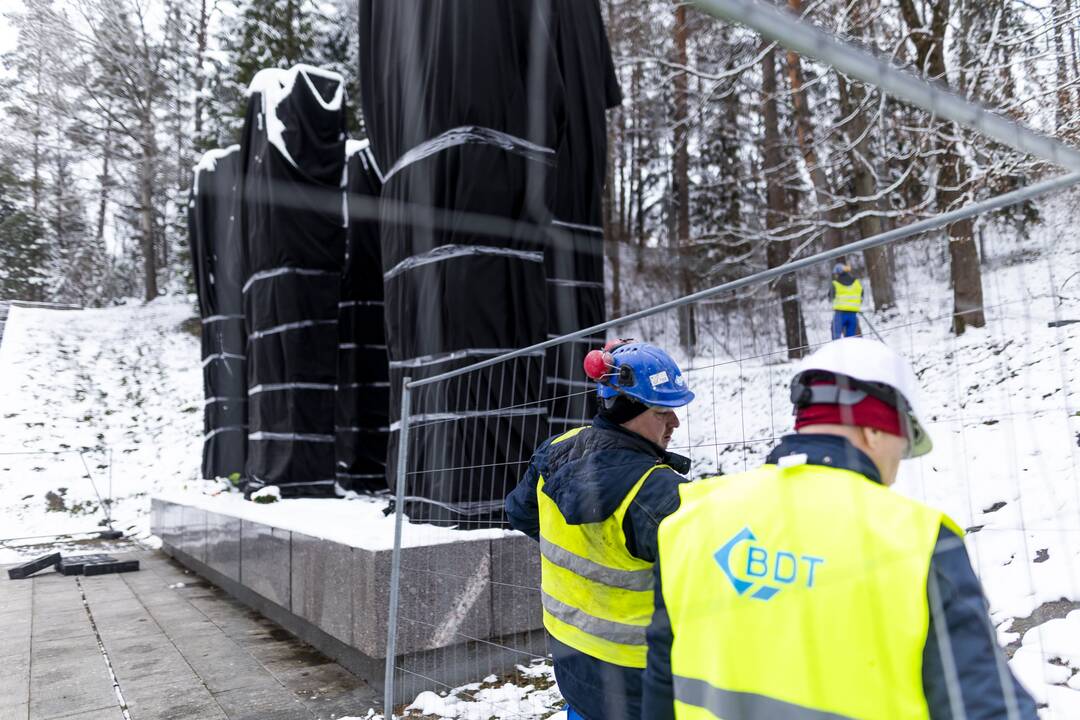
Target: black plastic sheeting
x=216 y=253
x=575 y=261
x=466 y=106
x=363 y=394
x=294 y=237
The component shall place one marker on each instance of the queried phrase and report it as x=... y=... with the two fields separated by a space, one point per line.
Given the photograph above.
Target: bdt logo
x=782 y=567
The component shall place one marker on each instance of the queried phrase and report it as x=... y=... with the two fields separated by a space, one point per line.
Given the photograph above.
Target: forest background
x=728 y=154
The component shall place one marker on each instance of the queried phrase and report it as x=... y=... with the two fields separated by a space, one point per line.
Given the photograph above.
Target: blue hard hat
x=647 y=374
x=838 y=268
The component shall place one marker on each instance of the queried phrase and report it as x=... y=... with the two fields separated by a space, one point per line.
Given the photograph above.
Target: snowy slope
x=123 y=385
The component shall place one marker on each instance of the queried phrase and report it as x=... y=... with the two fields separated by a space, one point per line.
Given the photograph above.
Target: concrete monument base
x=466 y=607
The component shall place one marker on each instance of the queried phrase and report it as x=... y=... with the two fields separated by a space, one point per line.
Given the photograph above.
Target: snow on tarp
x=294 y=238
x=363 y=392
x=217 y=255
x=450 y=112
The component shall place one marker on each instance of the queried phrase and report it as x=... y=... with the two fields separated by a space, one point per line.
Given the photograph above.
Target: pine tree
x=25 y=257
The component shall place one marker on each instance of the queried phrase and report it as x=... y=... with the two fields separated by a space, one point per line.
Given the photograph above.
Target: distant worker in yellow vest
x=846 y=296
x=594 y=497
x=806 y=589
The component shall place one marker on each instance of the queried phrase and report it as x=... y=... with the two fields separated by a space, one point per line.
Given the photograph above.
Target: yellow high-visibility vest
x=797 y=592
x=597 y=597
x=847 y=297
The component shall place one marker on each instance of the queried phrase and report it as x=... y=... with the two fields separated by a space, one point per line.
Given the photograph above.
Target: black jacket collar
x=678 y=463
x=828 y=450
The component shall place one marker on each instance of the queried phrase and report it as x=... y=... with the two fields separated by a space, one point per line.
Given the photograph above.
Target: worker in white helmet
x=807 y=589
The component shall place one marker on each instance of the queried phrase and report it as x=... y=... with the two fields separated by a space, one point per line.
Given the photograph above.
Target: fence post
x=395 y=559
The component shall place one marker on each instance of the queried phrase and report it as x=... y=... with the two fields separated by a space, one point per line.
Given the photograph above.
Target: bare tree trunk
x=200 y=56
x=778 y=252
x=103 y=196
x=965 y=272
x=147 y=162
x=681 y=182
x=1064 y=101
x=35 y=180
x=878 y=260
x=611 y=231
x=803 y=130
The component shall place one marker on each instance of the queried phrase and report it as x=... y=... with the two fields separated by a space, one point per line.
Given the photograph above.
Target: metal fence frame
x=795 y=34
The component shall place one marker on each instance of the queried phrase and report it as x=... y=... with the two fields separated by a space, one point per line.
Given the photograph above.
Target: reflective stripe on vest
x=797 y=592
x=847 y=298
x=745 y=706
x=597 y=597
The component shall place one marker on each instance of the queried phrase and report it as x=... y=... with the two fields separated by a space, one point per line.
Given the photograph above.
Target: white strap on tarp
x=473 y=135
x=291 y=437
x=276 y=272
x=356 y=385
x=277 y=329
x=562 y=282
x=221 y=399
x=452 y=252
x=358 y=429
x=227 y=428
x=568 y=421
x=361 y=476
x=422 y=418
x=360 y=303
x=222 y=356
x=220 y=318
x=278 y=387
x=595 y=229
x=425 y=360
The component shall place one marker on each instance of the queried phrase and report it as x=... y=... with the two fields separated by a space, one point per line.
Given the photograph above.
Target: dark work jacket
x=963 y=611
x=588 y=477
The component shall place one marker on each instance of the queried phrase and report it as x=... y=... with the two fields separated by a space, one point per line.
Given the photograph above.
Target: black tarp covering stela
x=363 y=394
x=575 y=266
x=216 y=253
x=294 y=234
x=466 y=107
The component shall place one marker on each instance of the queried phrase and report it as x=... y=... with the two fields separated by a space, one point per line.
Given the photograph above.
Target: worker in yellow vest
x=846 y=294
x=593 y=498
x=806 y=589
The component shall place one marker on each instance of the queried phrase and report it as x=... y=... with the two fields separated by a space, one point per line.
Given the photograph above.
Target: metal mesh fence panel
x=1000 y=410
x=465 y=635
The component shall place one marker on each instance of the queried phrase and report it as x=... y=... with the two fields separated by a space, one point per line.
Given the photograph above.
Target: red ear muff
x=597 y=364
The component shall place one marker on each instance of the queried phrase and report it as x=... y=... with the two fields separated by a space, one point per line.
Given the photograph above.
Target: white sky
x=7 y=32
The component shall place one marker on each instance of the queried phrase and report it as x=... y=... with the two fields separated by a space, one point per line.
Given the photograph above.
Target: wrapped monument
x=294 y=236
x=217 y=256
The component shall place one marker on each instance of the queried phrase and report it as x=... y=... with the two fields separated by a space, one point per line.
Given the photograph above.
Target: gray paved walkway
x=177 y=652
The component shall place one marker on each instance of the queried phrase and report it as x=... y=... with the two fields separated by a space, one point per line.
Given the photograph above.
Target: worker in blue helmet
x=593 y=497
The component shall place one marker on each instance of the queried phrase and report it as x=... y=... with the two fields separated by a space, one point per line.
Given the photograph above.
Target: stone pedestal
x=465 y=607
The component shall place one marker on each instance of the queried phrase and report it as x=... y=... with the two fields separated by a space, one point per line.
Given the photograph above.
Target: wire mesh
x=1004 y=465
x=465 y=632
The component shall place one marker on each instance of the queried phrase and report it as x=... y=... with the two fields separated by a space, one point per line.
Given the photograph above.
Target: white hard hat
x=875 y=370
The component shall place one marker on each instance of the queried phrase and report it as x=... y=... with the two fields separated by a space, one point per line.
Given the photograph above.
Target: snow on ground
x=94 y=399
x=1003 y=406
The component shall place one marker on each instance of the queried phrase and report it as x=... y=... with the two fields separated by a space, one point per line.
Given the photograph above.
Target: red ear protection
x=598 y=363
